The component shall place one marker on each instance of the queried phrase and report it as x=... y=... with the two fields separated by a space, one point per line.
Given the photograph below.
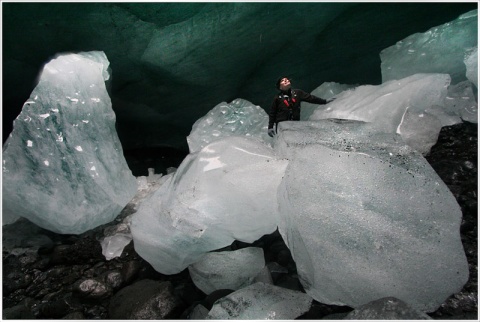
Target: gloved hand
x=271 y=132
x=331 y=100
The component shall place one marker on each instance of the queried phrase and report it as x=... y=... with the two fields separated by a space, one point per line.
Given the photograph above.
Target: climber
x=286 y=104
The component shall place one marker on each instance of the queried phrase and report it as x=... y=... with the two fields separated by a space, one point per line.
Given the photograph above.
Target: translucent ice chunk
x=388 y=308
x=224 y=192
x=366 y=217
x=327 y=90
x=441 y=49
x=238 y=118
x=261 y=301
x=63 y=164
x=386 y=107
x=112 y=246
x=227 y=270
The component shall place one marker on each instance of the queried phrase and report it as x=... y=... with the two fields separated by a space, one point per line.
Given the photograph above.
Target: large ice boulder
x=238 y=118
x=224 y=192
x=366 y=217
x=326 y=90
x=261 y=301
x=413 y=107
x=440 y=49
x=63 y=164
x=228 y=269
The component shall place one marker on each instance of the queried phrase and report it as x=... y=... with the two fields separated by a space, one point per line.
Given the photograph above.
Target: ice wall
x=366 y=217
x=441 y=49
x=63 y=164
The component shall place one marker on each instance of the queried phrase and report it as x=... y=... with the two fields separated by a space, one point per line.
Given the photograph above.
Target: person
x=286 y=104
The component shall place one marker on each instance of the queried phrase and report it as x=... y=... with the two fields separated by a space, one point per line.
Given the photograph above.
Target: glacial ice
x=238 y=118
x=397 y=106
x=261 y=301
x=326 y=90
x=461 y=102
x=471 y=64
x=212 y=199
x=365 y=217
x=387 y=308
x=118 y=236
x=112 y=246
x=228 y=269
x=441 y=49
x=63 y=164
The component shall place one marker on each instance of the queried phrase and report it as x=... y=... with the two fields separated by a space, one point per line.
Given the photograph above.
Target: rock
x=21 y=311
x=199 y=312
x=214 y=296
x=130 y=270
x=14 y=281
x=114 y=279
x=146 y=299
x=388 y=308
x=23 y=235
x=74 y=316
x=92 y=289
x=189 y=293
x=276 y=270
x=84 y=250
x=54 y=309
x=320 y=311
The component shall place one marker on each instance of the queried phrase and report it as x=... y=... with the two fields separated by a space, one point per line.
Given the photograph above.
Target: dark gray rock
x=199 y=312
x=130 y=270
x=54 y=309
x=114 y=279
x=74 y=316
x=22 y=311
x=92 y=289
x=214 y=296
x=146 y=300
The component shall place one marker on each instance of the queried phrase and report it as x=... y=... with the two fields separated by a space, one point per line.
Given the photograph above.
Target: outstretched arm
x=307 y=97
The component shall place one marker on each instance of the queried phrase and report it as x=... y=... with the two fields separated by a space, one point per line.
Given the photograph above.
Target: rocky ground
x=51 y=276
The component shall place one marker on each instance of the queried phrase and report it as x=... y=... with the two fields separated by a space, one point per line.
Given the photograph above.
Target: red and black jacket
x=286 y=106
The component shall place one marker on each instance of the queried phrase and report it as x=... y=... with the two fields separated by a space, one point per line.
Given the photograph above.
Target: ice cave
x=139 y=181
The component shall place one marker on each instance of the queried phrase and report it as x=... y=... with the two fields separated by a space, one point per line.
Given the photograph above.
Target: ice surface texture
x=327 y=90
x=227 y=270
x=365 y=217
x=439 y=50
x=224 y=192
x=471 y=63
x=238 y=118
x=63 y=164
x=261 y=301
x=416 y=107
